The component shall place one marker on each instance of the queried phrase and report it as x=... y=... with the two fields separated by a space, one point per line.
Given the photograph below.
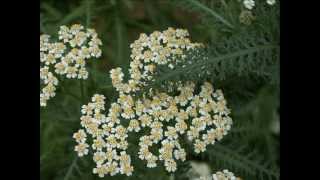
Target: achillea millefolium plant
x=155 y=103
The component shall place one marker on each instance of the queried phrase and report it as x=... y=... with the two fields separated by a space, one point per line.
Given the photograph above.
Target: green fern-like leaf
x=242 y=56
x=250 y=164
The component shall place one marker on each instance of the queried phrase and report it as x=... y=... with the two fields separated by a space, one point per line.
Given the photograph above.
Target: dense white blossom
x=201 y=116
x=67 y=57
x=220 y=175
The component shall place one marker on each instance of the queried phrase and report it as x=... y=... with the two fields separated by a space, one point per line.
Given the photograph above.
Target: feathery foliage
x=243 y=56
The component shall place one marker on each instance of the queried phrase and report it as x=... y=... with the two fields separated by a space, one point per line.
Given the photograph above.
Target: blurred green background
x=250 y=150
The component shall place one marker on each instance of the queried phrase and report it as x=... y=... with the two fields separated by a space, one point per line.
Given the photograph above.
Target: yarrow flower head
x=161 y=118
x=160 y=48
x=66 y=57
x=246 y=17
x=220 y=175
x=250 y=4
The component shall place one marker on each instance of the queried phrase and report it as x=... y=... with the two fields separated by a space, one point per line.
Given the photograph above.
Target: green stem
x=171 y=177
x=82 y=92
x=88 y=13
x=227 y=9
x=71 y=167
x=210 y=11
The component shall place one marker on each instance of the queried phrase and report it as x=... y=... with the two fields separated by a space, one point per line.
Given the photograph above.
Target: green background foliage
x=242 y=60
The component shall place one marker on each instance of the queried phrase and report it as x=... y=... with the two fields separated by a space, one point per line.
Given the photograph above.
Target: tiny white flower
x=249 y=4
x=271 y=2
x=82 y=149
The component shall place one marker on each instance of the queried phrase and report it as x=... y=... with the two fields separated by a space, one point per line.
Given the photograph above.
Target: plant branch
x=211 y=12
x=70 y=169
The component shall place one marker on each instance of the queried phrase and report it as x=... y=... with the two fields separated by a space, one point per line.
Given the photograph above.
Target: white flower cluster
x=164 y=118
x=202 y=117
x=67 y=58
x=220 y=175
x=249 y=4
x=49 y=52
x=160 y=48
x=107 y=139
